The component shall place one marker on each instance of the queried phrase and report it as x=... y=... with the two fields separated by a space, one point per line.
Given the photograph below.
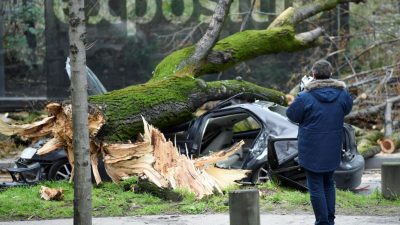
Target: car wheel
x=261 y=175
x=61 y=170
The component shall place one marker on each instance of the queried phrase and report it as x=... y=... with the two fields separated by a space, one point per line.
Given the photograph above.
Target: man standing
x=319 y=110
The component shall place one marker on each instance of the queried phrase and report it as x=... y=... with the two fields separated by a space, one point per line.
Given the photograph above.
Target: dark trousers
x=323 y=196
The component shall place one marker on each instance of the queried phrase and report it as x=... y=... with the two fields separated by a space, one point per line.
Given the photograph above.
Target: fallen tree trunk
x=164 y=103
x=368 y=144
x=390 y=144
x=175 y=91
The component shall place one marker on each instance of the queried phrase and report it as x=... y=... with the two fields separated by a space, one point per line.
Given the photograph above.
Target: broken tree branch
x=310 y=36
x=207 y=42
x=246 y=18
x=363 y=113
x=292 y=16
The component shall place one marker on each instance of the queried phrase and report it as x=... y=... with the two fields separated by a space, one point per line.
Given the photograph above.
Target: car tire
x=60 y=170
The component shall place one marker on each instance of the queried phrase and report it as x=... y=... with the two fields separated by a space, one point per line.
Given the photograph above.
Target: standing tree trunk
x=82 y=172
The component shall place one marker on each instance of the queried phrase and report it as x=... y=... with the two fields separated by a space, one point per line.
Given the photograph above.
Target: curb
x=376 y=161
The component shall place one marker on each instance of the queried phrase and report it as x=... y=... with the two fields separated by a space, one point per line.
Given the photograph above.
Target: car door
x=283 y=165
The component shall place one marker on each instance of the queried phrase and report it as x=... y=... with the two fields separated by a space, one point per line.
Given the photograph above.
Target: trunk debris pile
x=376 y=105
x=374 y=90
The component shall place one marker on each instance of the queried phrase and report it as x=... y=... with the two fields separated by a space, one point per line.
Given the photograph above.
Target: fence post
x=244 y=207
x=390 y=180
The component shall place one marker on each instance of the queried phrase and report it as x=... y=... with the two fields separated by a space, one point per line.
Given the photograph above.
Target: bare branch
x=371 y=47
x=247 y=16
x=310 y=36
x=292 y=16
x=207 y=42
x=316 y=7
x=365 y=113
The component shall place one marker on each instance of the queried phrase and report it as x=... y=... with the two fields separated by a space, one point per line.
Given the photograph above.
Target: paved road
x=217 y=219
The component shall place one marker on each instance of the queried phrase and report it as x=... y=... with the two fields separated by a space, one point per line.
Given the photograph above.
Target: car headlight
x=28 y=153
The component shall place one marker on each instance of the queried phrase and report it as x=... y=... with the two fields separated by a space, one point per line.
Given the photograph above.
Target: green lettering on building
x=170 y=16
x=262 y=17
x=234 y=12
x=133 y=19
x=210 y=6
x=148 y=16
x=104 y=13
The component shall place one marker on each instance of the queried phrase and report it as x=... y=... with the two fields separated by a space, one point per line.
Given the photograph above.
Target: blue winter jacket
x=320 y=111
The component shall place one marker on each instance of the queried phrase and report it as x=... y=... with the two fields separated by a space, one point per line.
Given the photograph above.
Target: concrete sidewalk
x=218 y=219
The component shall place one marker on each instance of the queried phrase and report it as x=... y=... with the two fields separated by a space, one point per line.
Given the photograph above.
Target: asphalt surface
x=217 y=219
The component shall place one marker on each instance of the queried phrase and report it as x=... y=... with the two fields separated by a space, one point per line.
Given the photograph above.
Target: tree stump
x=390 y=180
x=391 y=143
x=387 y=146
x=244 y=207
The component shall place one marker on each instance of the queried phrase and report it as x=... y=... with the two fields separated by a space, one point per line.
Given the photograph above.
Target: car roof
x=272 y=115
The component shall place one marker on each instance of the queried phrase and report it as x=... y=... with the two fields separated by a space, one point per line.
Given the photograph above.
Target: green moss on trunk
x=164 y=103
x=238 y=47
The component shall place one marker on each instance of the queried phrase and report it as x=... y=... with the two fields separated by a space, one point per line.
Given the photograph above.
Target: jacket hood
x=327 y=90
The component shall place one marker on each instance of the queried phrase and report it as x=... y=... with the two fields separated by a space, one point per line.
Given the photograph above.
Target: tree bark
x=82 y=170
x=388 y=119
x=164 y=103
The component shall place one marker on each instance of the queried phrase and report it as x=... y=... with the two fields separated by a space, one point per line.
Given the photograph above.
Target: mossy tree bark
x=175 y=90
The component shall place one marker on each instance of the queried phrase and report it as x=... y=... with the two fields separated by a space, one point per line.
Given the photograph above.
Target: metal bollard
x=390 y=180
x=244 y=207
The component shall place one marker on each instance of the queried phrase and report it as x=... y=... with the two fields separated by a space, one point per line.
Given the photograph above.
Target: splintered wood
x=158 y=160
x=59 y=125
x=152 y=158
x=49 y=194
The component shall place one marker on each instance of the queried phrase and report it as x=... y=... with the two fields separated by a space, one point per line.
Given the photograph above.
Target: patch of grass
x=280 y=199
x=111 y=199
x=25 y=202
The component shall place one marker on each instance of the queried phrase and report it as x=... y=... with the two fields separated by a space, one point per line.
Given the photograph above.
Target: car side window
x=247 y=124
